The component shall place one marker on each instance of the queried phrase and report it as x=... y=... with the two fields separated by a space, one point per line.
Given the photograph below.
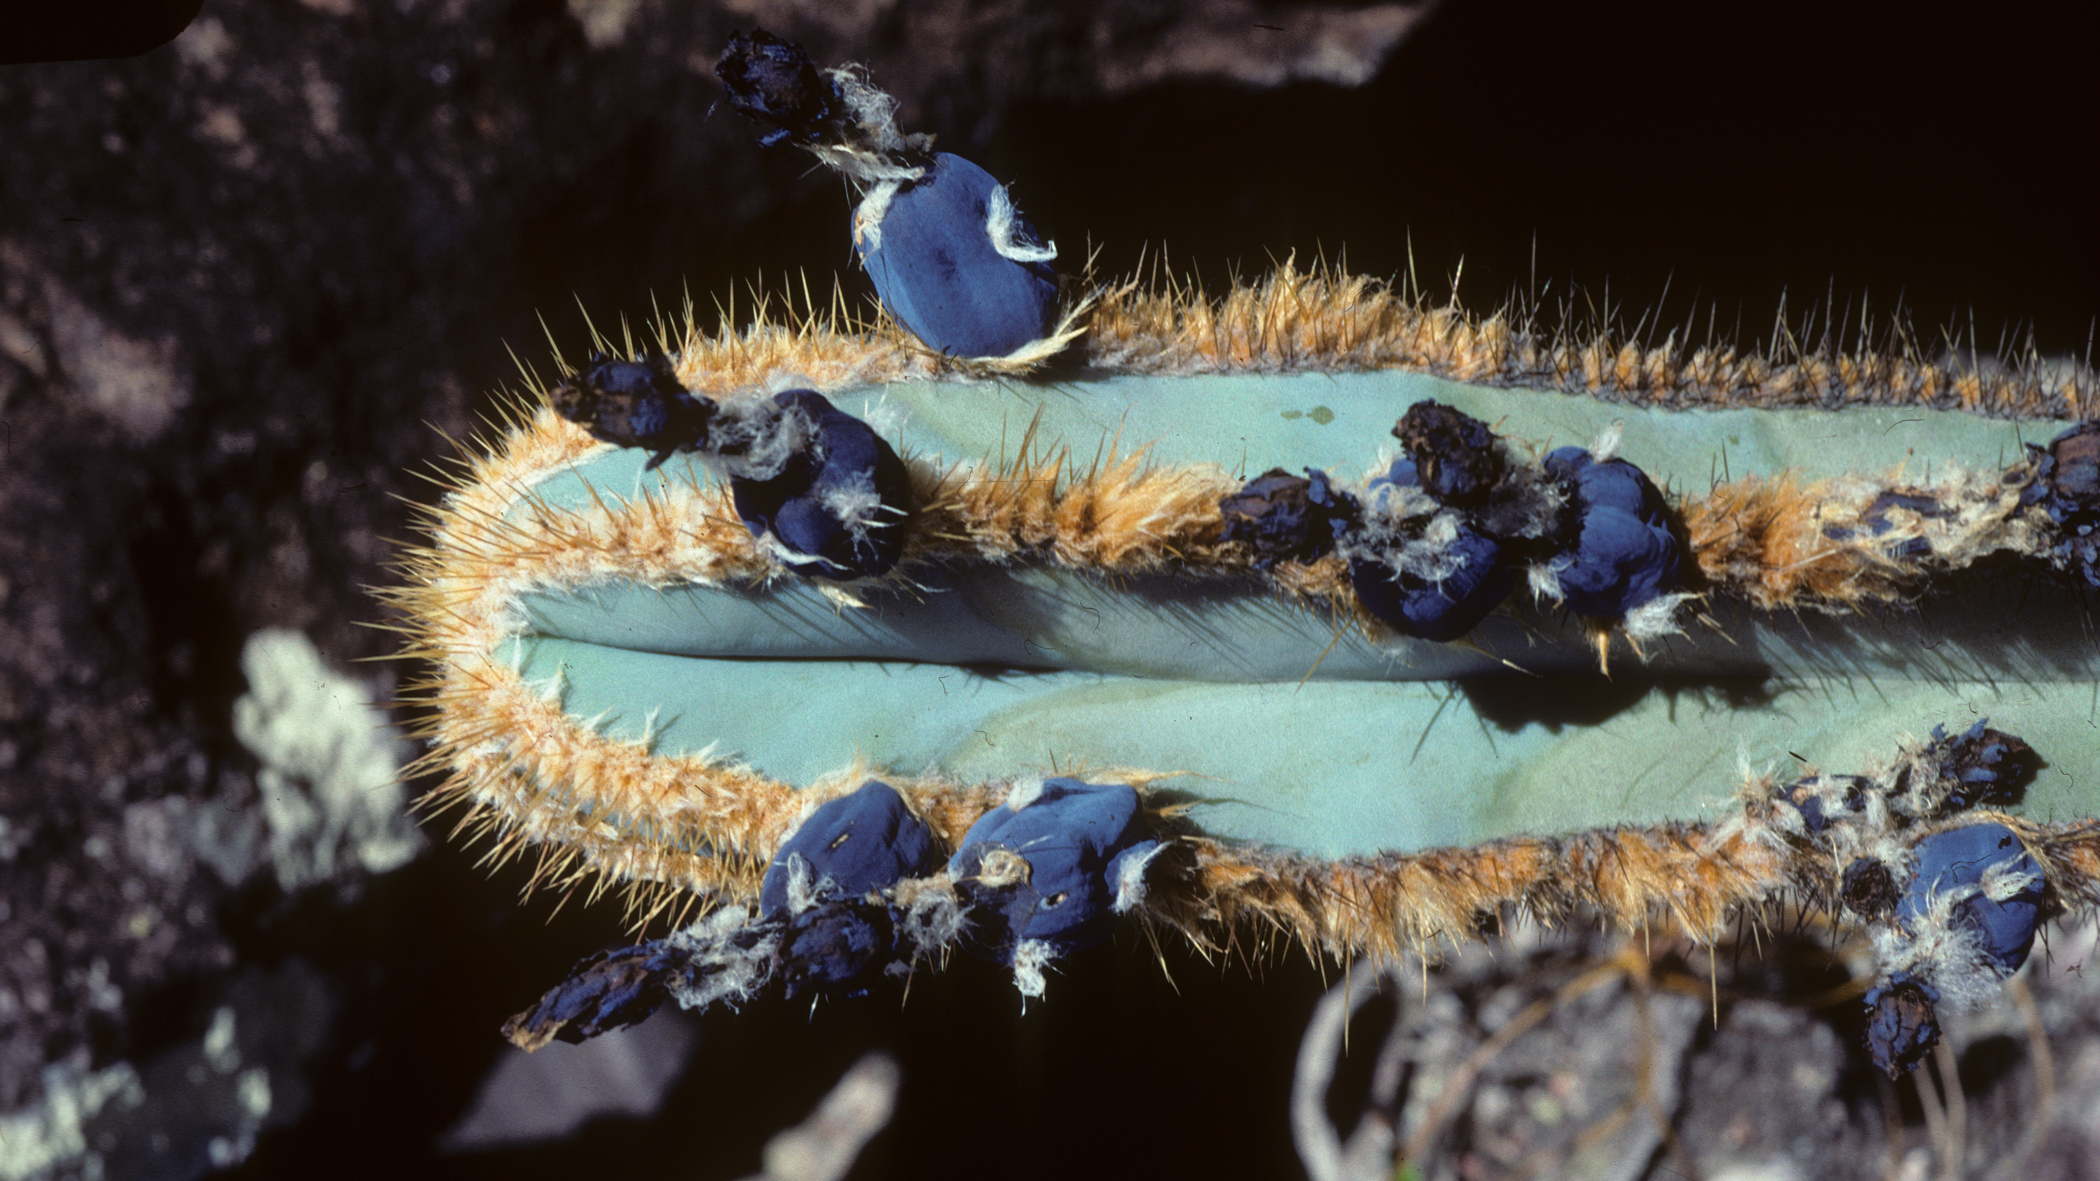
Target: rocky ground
x=251 y=280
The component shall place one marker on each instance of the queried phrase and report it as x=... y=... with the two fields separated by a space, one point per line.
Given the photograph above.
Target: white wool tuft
x=1031 y=957
x=1130 y=879
x=999 y=216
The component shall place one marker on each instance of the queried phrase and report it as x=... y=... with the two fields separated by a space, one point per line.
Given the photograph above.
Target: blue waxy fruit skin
x=1959 y=857
x=1075 y=837
x=1436 y=611
x=864 y=841
x=1624 y=553
x=842 y=455
x=936 y=270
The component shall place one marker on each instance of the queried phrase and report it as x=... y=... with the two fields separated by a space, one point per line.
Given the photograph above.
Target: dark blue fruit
x=2067 y=486
x=1983 y=766
x=1477 y=579
x=635 y=404
x=773 y=81
x=868 y=840
x=1624 y=553
x=1283 y=518
x=1961 y=857
x=606 y=990
x=1901 y=1024
x=1049 y=870
x=940 y=273
x=840 y=947
x=839 y=503
x=1454 y=453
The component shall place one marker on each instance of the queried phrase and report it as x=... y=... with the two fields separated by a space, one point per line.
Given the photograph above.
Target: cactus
x=636 y=686
x=709 y=621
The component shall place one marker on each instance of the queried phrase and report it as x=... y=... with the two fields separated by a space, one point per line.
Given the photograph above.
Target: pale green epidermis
x=1374 y=749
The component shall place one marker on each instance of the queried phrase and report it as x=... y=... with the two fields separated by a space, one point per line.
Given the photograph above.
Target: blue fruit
x=1441 y=609
x=1283 y=518
x=839 y=502
x=1901 y=1023
x=2067 y=486
x=840 y=946
x=1072 y=840
x=773 y=81
x=1624 y=553
x=1810 y=802
x=865 y=841
x=939 y=271
x=635 y=404
x=1455 y=453
x=606 y=990
x=1982 y=766
x=1961 y=857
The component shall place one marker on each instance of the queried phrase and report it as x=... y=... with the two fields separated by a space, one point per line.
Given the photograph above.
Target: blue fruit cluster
x=2067 y=487
x=1624 y=554
x=1982 y=766
x=1901 y=1022
x=951 y=257
x=1285 y=518
x=1446 y=608
x=808 y=506
x=1050 y=870
x=1960 y=857
x=939 y=270
x=1602 y=527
